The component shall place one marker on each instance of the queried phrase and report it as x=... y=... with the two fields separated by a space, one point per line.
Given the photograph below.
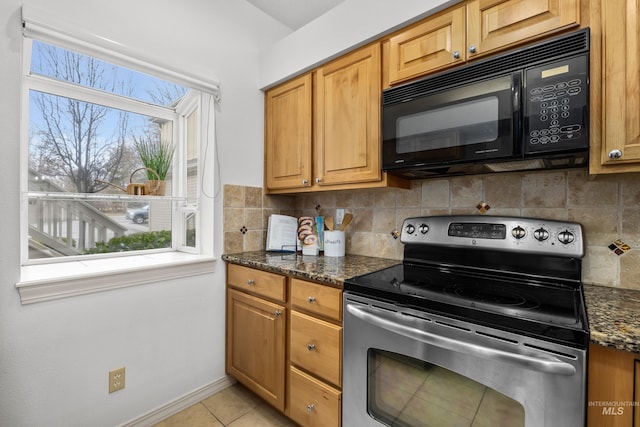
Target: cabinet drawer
x=316 y=346
x=313 y=403
x=259 y=282
x=317 y=298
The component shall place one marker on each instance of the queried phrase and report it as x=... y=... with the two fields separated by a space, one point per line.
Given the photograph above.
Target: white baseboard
x=165 y=411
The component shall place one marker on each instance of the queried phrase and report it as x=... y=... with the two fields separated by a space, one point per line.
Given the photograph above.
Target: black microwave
x=523 y=110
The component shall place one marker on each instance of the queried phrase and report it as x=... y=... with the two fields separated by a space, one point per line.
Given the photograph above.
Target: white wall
x=351 y=23
x=54 y=356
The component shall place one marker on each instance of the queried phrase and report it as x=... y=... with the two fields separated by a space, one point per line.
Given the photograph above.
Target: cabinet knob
x=473 y=49
x=278 y=313
x=305 y=181
x=310 y=407
x=456 y=54
x=318 y=180
x=311 y=300
x=251 y=282
x=311 y=347
x=615 y=154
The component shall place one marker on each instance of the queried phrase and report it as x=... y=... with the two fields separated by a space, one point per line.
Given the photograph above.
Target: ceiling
x=295 y=13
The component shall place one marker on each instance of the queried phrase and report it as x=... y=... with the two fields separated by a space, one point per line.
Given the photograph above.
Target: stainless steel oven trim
x=549 y=397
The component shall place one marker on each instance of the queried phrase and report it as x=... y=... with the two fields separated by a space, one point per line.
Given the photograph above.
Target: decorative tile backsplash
x=246 y=212
x=608 y=207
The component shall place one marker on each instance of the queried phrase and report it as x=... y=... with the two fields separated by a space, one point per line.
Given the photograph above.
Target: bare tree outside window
x=78 y=143
x=86 y=144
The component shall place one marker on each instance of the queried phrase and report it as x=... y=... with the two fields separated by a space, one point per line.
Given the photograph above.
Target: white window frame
x=192 y=102
x=87 y=274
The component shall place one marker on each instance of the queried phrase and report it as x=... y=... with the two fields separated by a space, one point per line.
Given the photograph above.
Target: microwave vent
x=557 y=48
x=516 y=166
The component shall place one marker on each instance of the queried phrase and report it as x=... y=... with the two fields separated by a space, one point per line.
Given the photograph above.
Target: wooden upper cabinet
x=615 y=84
x=347 y=118
x=471 y=30
x=288 y=135
x=496 y=24
x=435 y=43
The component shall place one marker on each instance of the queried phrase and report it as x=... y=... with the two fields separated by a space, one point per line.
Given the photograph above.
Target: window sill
x=53 y=281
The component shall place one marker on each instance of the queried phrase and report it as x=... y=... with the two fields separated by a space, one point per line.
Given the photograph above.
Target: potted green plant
x=156 y=156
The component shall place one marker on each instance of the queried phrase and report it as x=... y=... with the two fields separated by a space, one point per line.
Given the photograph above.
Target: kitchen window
x=117 y=188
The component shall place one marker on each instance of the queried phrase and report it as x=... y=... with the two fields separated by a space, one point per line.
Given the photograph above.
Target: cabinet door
x=496 y=24
x=611 y=380
x=256 y=345
x=347 y=143
x=433 y=44
x=621 y=83
x=288 y=134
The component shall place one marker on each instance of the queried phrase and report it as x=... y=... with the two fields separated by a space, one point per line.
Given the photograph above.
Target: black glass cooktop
x=536 y=306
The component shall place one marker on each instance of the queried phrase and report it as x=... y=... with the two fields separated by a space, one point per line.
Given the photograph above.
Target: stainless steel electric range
x=483 y=323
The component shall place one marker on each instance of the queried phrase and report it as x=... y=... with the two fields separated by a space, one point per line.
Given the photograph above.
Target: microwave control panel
x=556 y=103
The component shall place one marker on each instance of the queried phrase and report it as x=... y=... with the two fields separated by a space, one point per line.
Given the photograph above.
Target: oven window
x=463 y=123
x=403 y=391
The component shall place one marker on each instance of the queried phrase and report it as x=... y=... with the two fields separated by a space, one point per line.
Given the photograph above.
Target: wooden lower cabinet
x=255 y=354
x=614 y=383
x=284 y=343
x=315 y=355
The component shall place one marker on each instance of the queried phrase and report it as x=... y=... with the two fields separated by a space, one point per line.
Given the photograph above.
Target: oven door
x=410 y=368
x=478 y=121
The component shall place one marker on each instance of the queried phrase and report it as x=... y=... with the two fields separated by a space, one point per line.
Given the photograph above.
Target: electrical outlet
x=339 y=216
x=116 y=380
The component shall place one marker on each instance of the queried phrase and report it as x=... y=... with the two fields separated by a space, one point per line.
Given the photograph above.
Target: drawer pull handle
x=310 y=407
x=311 y=300
x=278 y=313
x=311 y=347
x=251 y=282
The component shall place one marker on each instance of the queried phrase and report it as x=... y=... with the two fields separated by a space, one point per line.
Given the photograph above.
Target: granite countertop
x=614 y=317
x=614 y=314
x=330 y=270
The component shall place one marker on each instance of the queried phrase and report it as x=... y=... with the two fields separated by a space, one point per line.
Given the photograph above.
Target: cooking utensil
x=346 y=221
x=328 y=222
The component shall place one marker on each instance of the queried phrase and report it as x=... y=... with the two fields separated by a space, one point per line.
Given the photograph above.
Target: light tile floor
x=234 y=406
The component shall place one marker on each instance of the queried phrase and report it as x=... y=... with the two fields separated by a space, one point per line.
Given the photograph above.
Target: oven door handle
x=393 y=323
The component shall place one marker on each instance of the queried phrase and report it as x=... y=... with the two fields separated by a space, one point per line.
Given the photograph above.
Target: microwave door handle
x=394 y=323
x=517 y=93
x=517 y=106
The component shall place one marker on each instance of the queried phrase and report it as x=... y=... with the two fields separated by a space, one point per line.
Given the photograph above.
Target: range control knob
x=410 y=228
x=541 y=234
x=518 y=232
x=566 y=237
x=424 y=228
